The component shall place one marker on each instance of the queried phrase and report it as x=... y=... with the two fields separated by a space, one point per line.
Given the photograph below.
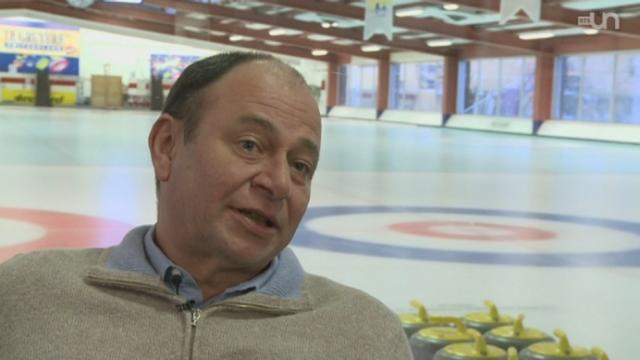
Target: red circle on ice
x=464 y=230
x=63 y=230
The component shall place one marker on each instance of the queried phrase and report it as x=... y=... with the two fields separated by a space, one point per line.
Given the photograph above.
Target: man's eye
x=302 y=167
x=248 y=145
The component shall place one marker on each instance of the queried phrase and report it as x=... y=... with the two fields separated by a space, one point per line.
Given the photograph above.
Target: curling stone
x=484 y=322
x=561 y=350
x=516 y=336
x=425 y=343
x=414 y=322
x=599 y=353
x=478 y=350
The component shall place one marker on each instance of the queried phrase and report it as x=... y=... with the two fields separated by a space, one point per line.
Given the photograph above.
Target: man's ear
x=164 y=138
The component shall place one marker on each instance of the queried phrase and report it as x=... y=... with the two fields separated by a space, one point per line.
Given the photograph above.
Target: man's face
x=240 y=187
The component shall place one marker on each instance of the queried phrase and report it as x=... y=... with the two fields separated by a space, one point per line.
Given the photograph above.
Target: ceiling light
x=370 y=48
x=536 y=35
x=256 y=26
x=335 y=24
x=345 y=42
x=235 y=38
x=590 y=31
x=320 y=37
x=319 y=52
x=217 y=33
x=277 y=32
x=412 y=11
x=125 y=1
x=197 y=16
x=326 y=25
x=439 y=43
x=191 y=28
x=451 y=7
x=272 y=43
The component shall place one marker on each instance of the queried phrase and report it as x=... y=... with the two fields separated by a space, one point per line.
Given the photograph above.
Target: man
x=234 y=152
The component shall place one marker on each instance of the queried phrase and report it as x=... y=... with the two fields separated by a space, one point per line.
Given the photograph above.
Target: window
x=626 y=107
x=498 y=87
x=598 y=87
x=597 y=82
x=358 y=85
x=416 y=86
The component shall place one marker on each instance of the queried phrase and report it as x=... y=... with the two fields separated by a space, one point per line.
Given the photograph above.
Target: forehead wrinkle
x=260 y=122
x=280 y=105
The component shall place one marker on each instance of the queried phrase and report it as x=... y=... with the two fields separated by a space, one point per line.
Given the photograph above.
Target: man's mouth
x=258 y=217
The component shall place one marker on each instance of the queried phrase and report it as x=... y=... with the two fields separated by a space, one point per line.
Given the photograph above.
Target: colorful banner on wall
x=29 y=64
x=169 y=67
x=26 y=46
x=28 y=96
x=21 y=89
x=38 y=38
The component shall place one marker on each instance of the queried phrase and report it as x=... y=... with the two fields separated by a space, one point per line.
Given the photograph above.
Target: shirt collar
x=188 y=287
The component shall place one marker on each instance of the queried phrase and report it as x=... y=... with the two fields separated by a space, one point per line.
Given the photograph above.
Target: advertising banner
x=28 y=96
x=39 y=38
x=169 y=67
x=26 y=46
x=29 y=64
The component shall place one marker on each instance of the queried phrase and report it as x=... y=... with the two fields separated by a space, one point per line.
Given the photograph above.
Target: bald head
x=184 y=101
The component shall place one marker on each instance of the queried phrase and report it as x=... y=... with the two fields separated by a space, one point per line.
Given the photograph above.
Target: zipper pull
x=195 y=316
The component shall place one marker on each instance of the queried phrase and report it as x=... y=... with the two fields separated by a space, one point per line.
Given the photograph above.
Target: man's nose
x=275 y=178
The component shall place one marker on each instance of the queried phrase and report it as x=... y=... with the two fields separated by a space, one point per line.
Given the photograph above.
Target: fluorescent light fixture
x=345 y=42
x=412 y=11
x=278 y=32
x=192 y=28
x=320 y=37
x=439 y=43
x=197 y=16
x=335 y=24
x=326 y=25
x=370 y=48
x=536 y=35
x=272 y=43
x=256 y=26
x=590 y=31
x=319 y=52
x=235 y=38
x=217 y=33
x=125 y=1
x=451 y=7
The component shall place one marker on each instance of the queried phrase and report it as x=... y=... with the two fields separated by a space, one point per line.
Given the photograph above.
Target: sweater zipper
x=195 y=316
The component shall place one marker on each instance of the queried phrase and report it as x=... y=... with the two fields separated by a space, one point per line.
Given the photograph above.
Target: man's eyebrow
x=312 y=147
x=268 y=126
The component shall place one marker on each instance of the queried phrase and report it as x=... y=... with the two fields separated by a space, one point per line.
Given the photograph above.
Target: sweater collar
x=127 y=265
x=187 y=286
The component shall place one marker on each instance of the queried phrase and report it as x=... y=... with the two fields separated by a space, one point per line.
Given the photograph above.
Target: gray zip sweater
x=107 y=304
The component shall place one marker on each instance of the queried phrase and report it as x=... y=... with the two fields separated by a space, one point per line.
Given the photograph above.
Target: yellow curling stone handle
x=422 y=310
x=599 y=353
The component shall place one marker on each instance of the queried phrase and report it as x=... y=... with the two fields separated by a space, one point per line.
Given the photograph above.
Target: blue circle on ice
x=308 y=238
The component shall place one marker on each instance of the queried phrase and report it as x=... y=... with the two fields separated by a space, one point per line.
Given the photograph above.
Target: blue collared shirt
x=188 y=287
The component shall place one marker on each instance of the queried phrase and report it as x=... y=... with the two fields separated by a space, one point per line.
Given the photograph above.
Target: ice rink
x=545 y=227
